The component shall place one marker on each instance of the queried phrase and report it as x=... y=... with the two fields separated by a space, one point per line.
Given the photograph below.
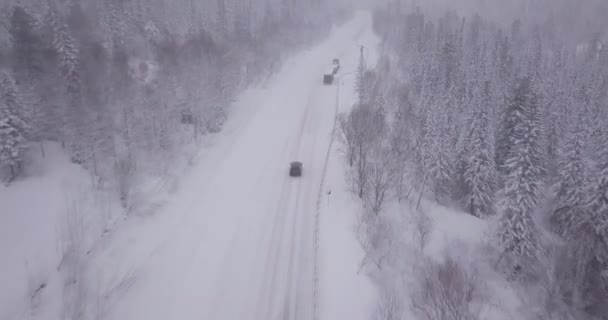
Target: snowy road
x=239 y=243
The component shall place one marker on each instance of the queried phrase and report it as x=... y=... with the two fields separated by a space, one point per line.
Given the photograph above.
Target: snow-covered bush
x=447 y=290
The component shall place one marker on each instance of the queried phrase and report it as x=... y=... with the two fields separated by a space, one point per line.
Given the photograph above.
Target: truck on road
x=328 y=77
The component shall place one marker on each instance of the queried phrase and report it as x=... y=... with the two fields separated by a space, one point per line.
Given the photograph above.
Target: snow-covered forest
x=129 y=91
x=454 y=166
x=498 y=110
x=117 y=82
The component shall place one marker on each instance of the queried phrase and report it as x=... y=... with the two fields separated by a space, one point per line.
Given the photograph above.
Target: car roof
x=296 y=163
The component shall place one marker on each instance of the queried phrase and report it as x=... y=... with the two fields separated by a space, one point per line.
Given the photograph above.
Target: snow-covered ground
x=345 y=291
x=32 y=215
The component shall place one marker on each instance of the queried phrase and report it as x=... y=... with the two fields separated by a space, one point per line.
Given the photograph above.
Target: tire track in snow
x=185 y=277
x=292 y=209
x=299 y=230
x=284 y=216
x=304 y=285
x=281 y=214
x=270 y=268
x=294 y=308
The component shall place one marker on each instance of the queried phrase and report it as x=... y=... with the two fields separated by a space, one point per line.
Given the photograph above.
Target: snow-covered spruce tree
x=444 y=169
x=590 y=97
x=596 y=206
x=437 y=154
x=557 y=107
x=581 y=221
x=28 y=47
x=361 y=86
x=14 y=126
x=34 y=70
x=587 y=235
x=572 y=177
x=503 y=72
x=68 y=55
x=420 y=140
x=479 y=166
x=428 y=131
x=523 y=170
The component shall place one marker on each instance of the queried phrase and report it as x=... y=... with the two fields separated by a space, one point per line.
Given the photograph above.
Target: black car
x=295 y=170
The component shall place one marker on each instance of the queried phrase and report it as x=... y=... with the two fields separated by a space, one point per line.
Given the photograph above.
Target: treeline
x=122 y=85
x=507 y=124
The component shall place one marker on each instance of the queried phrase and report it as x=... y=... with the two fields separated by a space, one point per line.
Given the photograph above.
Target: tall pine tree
x=28 y=47
x=572 y=177
x=479 y=166
x=523 y=173
x=76 y=116
x=596 y=207
x=14 y=127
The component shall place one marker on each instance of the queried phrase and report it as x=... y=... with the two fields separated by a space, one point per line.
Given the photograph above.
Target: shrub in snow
x=215 y=119
x=390 y=307
x=372 y=233
x=423 y=227
x=569 y=287
x=446 y=290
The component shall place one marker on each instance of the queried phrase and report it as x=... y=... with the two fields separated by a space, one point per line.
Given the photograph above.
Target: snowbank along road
x=242 y=246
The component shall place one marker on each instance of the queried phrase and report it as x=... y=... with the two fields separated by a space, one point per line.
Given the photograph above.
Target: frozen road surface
x=239 y=243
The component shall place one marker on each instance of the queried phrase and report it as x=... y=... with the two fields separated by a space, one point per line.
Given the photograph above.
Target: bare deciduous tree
x=347 y=138
x=402 y=130
x=423 y=228
x=389 y=308
x=360 y=130
x=381 y=177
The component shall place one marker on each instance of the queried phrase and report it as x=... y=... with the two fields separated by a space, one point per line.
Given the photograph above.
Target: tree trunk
x=421 y=192
x=41 y=144
x=13 y=174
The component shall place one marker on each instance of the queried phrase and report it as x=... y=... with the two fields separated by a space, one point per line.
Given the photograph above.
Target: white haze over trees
x=78 y=72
